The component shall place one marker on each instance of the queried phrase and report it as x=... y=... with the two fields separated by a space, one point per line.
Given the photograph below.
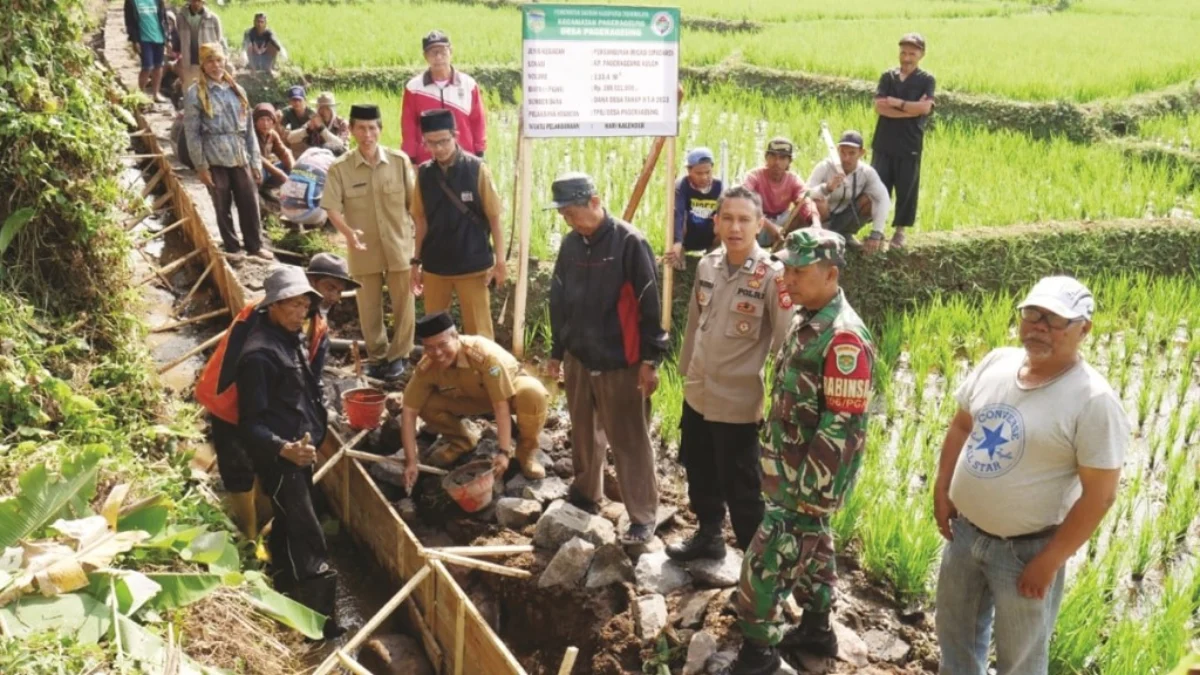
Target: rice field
x=1133 y=589
x=1176 y=130
x=970 y=177
x=988 y=48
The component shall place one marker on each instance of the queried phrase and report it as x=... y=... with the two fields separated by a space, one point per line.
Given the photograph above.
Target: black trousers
x=237 y=471
x=721 y=461
x=234 y=185
x=297 y=543
x=901 y=173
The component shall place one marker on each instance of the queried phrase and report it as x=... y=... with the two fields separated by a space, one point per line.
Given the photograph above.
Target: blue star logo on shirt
x=990 y=452
x=992 y=439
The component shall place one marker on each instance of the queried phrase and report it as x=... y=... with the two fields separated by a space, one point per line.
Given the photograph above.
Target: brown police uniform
x=483 y=374
x=376 y=200
x=457 y=252
x=735 y=320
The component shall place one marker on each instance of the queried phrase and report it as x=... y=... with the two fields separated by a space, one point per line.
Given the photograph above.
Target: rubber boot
x=320 y=595
x=706 y=543
x=530 y=467
x=813 y=636
x=756 y=659
x=244 y=509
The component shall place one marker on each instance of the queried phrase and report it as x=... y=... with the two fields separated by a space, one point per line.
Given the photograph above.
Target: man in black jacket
x=281 y=422
x=608 y=341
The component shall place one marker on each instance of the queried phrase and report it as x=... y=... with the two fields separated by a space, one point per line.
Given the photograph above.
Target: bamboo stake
x=639 y=188
x=149 y=155
x=161 y=201
x=172 y=266
x=432 y=649
x=568 y=662
x=350 y=664
x=669 y=236
x=196 y=286
x=460 y=625
x=154 y=270
x=348 y=467
x=194 y=351
x=483 y=551
x=525 y=176
x=474 y=564
x=130 y=224
x=190 y=320
x=149 y=187
x=156 y=235
x=290 y=254
x=139 y=133
x=329 y=464
x=380 y=616
x=380 y=459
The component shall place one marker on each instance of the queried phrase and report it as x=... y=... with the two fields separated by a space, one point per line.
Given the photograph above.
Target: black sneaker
x=756 y=659
x=393 y=371
x=582 y=503
x=638 y=534
x=813 y=636
x=706 y=543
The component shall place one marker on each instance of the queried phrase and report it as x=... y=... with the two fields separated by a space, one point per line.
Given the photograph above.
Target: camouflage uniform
x=815 y=437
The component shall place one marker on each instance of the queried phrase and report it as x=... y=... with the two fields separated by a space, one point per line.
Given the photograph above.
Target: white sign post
x=596 y=70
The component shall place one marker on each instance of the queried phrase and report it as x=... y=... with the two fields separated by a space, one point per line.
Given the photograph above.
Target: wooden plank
x=485 y=653
x=190 y=320
x=376 y=620
x=182 y=304
x=472 y=563
x=350 y=664
x=212 y=341
x=669 y=236
x=568 y=662
x=483 y=551
x=460 y=645
x=525 y=176
x=153 y=182
x=432 y=650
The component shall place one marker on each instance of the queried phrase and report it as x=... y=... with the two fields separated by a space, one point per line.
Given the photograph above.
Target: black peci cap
x=364 y=111
x=433 y=324
x=438 y=119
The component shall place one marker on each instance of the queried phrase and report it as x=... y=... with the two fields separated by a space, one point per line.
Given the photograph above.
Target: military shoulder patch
x=847 y=380
x=785 y=298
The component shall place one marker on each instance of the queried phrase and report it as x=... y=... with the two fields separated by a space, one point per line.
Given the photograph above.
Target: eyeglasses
x=444 y=143
x=1054 y=321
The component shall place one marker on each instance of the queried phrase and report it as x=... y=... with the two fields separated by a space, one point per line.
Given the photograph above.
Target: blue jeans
x=977 y=595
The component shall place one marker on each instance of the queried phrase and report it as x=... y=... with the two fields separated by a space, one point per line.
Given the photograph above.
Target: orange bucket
x=470 y=485
x=363 y=406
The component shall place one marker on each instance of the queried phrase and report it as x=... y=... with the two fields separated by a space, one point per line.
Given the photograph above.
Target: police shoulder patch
x=494 y=371
x=847 y=377
x=785 y=298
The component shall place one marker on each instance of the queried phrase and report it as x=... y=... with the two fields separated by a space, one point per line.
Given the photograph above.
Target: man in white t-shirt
x=1028 y=469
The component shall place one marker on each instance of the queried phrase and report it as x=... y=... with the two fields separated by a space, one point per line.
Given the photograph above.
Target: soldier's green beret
x=810 y=244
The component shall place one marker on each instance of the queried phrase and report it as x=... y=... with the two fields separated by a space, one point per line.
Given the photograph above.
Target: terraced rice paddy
x=963 y=184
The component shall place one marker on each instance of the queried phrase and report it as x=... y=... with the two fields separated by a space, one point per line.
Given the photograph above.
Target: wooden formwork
x=455 y=636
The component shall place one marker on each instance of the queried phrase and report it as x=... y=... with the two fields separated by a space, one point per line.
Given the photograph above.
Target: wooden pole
x=384 y=612
x=194 y=351
x=381 y=459
x=476 y=564
x=526 y=179
x=568 y=662
x=149 y=187
x=196 y=286
x=350 y=664
x=172 y=266
x=460 y=646
x=329 y=464
x=669 y=236
x=156 y=235
x=483 y=551
x=190 y=320
x=639 y=188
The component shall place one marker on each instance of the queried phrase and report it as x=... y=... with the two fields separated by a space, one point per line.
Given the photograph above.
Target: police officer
x=816 y=435
x=281 y=422
x=368 y=193
x=463 y=375
x=460 y=242
x=738 y=313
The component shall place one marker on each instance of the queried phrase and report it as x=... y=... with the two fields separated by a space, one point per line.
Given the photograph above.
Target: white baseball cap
x=1065 y=296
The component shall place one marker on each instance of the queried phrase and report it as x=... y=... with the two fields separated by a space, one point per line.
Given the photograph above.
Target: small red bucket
x=363 y=407
x=470 y=485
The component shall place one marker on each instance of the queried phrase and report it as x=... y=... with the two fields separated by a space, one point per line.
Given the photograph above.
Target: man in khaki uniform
x=368 y=193
x=460 y=241
x=739 y=313
x=466 y=375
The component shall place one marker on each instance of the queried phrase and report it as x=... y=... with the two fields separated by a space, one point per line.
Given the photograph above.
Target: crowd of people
x=1030 y=462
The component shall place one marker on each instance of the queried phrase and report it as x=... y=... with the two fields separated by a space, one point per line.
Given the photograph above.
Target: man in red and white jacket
x=441 y=86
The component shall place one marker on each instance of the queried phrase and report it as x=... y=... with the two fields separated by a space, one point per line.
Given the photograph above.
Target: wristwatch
x=414 y=261
x=651 y=364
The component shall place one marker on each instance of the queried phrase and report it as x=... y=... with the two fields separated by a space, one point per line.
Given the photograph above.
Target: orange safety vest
x=216 y=389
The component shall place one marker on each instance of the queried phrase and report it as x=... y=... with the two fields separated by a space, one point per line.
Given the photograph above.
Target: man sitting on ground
x=781 y=191
x=850 y=196
x=465 y=375
x=323 y=130
x=696 y=196
x=261 y=46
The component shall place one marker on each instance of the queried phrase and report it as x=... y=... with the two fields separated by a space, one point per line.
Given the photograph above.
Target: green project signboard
x=600 y=70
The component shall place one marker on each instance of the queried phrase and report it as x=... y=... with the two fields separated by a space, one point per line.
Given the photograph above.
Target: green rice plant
x=1146 y=549
x=1192 y=424
x=1082 y=620
x=918 y=548
x=667 y=402
x=1174 y=130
